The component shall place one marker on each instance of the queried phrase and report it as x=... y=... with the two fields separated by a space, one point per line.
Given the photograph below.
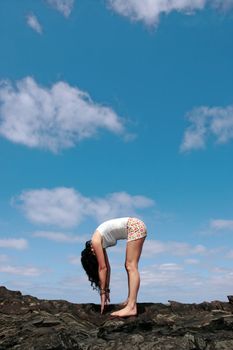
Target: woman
x=95 y=260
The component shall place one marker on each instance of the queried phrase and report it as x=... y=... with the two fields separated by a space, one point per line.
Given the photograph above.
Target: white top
x=112 y=230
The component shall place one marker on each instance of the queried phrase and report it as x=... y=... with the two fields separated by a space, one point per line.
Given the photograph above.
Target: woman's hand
x=105 y=299
x=102 y=297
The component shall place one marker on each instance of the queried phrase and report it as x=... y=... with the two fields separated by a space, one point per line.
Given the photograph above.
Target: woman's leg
x=124 y=303
x=133 y=252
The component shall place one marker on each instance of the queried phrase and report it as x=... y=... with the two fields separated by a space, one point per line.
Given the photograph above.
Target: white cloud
x=191 y=261
x=63 y=6
x=205 y=122
x=229 y=254
x=59 y=206
x=33 y=22
x=170 y=267
x=223 y=4
x=53 y=119
x=74 y=260
x=222 y=279
x=117 y=204
x=221 y=224
x=3 y=258
x=15 y=243
x=153 y=247
x=183 y=285
x=149 y=11
x=168 y=279
x=176 y=277
x=59 y=237
x=21 y=270
x=66 y=207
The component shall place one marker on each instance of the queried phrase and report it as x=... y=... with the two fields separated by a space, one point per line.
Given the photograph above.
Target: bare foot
x=126 y=311
x=124 y=303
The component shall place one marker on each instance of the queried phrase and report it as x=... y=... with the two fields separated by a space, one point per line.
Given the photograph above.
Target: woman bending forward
x=95 y=260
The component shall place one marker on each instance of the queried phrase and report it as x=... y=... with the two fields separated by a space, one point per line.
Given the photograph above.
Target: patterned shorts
x=136 y=229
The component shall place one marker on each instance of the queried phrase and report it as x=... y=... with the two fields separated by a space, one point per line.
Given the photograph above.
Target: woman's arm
x=102 y=270
x=108 y=269
x=99 y=252
x=108 y=277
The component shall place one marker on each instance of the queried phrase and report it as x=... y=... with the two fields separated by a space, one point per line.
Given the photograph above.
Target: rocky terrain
x=29 y=323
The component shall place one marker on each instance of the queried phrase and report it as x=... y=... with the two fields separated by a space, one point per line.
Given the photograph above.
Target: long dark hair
x=90 y=265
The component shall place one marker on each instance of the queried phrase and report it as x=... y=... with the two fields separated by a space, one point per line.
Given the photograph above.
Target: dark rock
x=27 y=323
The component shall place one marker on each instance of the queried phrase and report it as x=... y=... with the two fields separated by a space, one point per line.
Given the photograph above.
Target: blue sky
x=117 y=108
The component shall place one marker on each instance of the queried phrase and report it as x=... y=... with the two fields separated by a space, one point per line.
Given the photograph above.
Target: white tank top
x=112 y=230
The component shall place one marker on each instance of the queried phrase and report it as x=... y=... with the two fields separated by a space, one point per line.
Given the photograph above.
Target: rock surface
x=29 y=323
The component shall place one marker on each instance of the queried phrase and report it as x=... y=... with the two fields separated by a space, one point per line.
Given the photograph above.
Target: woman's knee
x=131 y=266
